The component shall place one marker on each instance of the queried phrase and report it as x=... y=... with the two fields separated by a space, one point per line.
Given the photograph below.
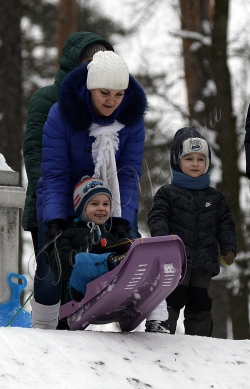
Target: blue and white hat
x=85 y=189
x=195 y=145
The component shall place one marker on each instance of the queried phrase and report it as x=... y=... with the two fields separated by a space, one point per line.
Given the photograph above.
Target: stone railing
x=12 y=198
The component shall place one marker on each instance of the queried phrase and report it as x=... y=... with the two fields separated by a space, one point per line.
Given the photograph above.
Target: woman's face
x=105 y=101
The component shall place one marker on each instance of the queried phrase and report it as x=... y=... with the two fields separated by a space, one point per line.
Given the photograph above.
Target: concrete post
x=12 y=198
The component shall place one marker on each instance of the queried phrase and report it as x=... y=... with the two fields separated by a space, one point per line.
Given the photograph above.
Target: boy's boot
x=171 y=323
x=158 y=315
x=198 y=323
x=44 y=317
x=155 y=326
x=115 y=260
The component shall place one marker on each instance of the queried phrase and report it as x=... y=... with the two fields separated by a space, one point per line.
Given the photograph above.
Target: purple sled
x=151 y=270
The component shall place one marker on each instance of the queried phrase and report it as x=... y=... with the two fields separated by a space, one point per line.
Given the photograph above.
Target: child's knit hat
x=195 y=145
x=188 y=140
x=85 y=189
x=107 y=70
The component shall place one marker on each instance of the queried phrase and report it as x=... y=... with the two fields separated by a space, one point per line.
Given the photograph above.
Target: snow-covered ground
x=38 y=359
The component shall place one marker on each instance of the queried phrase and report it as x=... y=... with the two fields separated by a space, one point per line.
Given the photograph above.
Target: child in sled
x=200 y=215
x=88 y=249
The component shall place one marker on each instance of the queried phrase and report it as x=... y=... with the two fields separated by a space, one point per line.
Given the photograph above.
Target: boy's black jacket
x=72 y=241
x=201 y=218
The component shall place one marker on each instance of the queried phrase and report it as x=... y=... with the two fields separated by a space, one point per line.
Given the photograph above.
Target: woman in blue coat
x=96 y=129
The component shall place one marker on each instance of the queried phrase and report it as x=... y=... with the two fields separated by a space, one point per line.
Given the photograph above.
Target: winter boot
x=44 y=317
x=155 y=326
x=115 y=260
x=160 y=313
x=171 y=323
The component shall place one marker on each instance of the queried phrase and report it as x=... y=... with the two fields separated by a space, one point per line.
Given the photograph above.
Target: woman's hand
x=119 y=228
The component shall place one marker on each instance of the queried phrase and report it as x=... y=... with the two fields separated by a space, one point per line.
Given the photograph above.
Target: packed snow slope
x=39 y=359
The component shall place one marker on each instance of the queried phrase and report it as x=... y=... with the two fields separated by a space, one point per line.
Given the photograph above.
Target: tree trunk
x=195 y=16
x=228 y=154
x=10 y=83
x=239 y=304
x=66 y=21
x=226 y=127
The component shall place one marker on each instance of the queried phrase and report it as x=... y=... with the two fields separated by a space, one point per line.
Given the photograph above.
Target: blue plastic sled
x=11 y=308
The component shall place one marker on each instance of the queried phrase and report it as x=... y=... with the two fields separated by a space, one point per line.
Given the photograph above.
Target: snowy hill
x=38 y=359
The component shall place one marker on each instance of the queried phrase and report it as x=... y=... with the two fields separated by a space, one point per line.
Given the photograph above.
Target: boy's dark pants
x=192 y=293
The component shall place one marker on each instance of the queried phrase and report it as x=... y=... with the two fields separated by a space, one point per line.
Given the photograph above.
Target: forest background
x=192 y=58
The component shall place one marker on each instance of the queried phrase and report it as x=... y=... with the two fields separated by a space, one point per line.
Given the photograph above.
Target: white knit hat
x=196 y=145
x=107 y=70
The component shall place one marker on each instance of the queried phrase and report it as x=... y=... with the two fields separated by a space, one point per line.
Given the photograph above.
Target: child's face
x=98 y=209
x=193 y=164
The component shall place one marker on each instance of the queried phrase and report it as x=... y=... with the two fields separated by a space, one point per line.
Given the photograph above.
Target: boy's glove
x=122 y=246
x=119 y=228
x=227 y=258
x=54 y=226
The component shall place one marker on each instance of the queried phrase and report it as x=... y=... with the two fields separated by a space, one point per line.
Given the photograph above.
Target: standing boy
x=200 y=215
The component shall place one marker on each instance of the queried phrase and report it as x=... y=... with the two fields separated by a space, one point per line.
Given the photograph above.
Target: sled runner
x=12 y=307
x=151 y=270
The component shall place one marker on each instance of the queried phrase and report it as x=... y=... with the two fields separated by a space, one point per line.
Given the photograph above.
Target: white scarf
x=103 y=153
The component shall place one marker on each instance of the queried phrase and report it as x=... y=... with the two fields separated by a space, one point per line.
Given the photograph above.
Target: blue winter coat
x=67 y=147
x=39 y=107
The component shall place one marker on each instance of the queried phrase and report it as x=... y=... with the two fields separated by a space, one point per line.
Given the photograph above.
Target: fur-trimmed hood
x=74 y=102
x=180 y=136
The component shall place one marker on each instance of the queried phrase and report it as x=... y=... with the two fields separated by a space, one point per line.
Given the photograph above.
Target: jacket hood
x=73 y=48
x=180 y=136
x=75 y=106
